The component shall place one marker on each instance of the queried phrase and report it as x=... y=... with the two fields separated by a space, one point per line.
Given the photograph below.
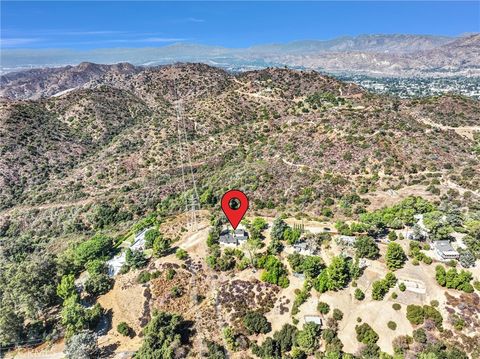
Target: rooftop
x=445 y=247
x=313 y=319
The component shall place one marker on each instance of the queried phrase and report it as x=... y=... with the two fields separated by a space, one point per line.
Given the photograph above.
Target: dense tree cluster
x=98 y=247
x=453 y=279
x=276 y=347
x=437 y=226
x=215 y=351
x=231 y=257
x=278 y=229
x=398 y=215
x=381 y=287
x=256 y=227
x=311 y=266
x=337 y=275
x=98 y=282
x=274 y=272
x=164 y=337
x=415 y=252
x=472 y=239
x=76 y=318
x=366 y=247
x=417 y=314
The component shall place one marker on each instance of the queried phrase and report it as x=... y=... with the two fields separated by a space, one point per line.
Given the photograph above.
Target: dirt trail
x=257 y=95
x=58 y=355
x=465 y=131
x=81 y=202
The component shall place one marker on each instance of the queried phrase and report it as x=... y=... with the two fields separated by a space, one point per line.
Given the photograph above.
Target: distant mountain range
x=375 y=55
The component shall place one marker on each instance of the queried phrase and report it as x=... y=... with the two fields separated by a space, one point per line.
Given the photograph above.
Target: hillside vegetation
x=103 y=156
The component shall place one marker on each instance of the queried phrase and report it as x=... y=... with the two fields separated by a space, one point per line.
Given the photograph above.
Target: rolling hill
x=288 y=138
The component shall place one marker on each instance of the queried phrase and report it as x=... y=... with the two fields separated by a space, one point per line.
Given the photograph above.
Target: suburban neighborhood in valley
x=233 y=180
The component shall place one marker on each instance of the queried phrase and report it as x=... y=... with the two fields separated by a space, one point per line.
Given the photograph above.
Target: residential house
x=445 y=251
x=303 y=248
x=234 y=238
x=346 y=240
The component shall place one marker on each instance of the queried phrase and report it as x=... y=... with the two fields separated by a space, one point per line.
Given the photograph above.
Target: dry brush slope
x=115 y=140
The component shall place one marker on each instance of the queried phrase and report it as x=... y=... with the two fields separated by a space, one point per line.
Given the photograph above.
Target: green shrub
x=420 y=336
x=427 y=260
x=396 y=306
x=392 y=325
x=215 y=351
x=170 y=273
x=365 y=334
x=144 y=277
x=66 y=287
x=366 y=247
x=176 y=291
x=98 y=284
x=337 y=314
x=402 y=287
x=274 y=272
x=323 y=307
x=359 y=295
x=181 y=254
x=135 y=259
x=161 y=247
x=150 y=237
x=256 y=323
x=415 y=314
x=124 y=329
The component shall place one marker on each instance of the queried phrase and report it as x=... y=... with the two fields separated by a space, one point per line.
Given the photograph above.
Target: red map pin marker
x=234 y=215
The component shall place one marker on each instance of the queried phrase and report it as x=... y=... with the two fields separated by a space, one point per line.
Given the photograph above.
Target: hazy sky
x=88 y=25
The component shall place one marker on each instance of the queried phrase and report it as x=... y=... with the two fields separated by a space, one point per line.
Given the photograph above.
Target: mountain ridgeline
x=376 y=55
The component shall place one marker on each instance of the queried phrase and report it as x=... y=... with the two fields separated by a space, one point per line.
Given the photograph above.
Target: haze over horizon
x=81 y=26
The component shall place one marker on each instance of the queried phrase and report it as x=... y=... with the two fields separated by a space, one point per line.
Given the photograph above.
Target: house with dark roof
x=445 y=251
x=234 y=238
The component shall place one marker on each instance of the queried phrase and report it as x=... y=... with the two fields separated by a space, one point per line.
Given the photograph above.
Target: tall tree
x=366 y=247
x=82 y=346
x=395 y=256
x=278 y=229
x=338 y=273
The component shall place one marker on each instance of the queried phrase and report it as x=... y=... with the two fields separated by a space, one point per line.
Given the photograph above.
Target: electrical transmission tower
x=192 y=203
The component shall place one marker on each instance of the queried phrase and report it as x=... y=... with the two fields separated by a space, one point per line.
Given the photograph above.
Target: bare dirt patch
x=125 y=302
